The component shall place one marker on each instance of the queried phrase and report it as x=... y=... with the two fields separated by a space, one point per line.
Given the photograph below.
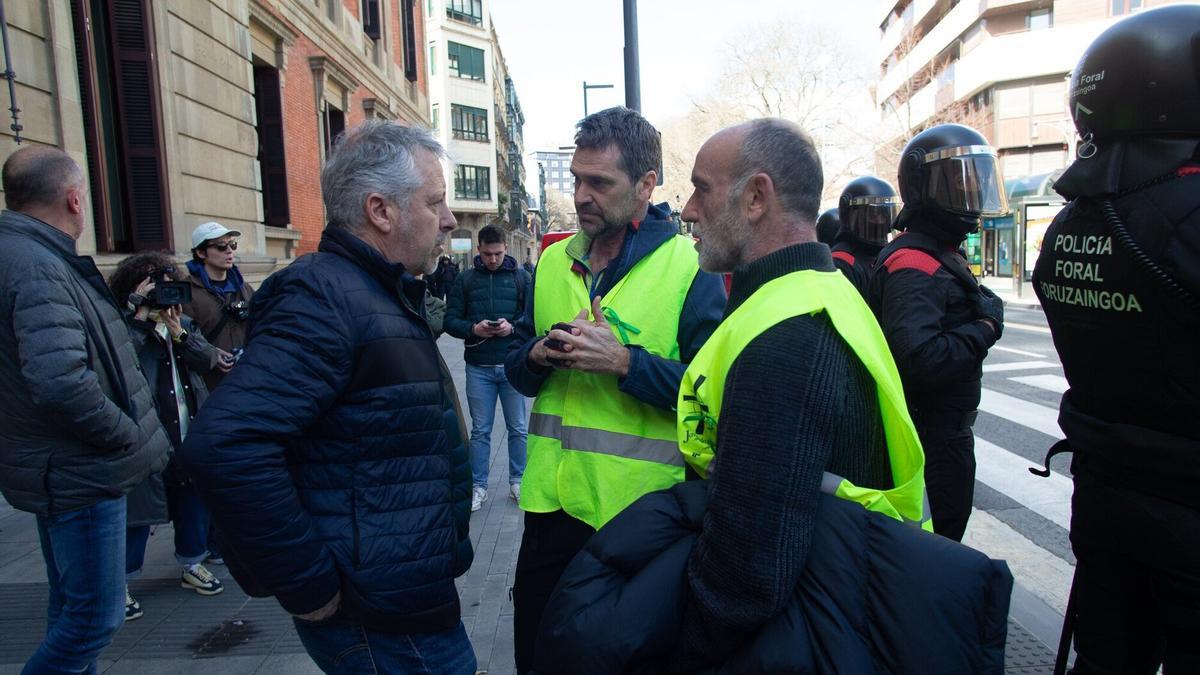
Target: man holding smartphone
x=481 y=308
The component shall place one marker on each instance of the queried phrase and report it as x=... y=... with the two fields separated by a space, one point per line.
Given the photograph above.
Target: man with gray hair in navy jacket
x=327 y=456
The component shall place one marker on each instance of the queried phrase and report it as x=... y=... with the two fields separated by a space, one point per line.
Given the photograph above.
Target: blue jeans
x=484 y=385
x=191 y=521
x=85 y=567
x=343 y=647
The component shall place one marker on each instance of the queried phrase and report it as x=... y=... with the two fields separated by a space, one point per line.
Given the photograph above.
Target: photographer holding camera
x=220 y=303
x=174 y=356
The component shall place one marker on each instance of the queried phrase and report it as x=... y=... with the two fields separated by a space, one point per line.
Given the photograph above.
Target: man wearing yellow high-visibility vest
x=602 y=431
x=794 y=394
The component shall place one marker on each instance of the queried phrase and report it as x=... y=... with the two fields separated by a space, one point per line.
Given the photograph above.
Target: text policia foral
x=1092 y=248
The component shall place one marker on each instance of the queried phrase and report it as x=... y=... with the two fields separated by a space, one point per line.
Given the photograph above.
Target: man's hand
x=484 y=329
x=594 y=349
x=325 y=612
x=540 y=354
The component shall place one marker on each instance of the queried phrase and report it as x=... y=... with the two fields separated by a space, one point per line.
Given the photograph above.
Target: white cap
x=210 y=230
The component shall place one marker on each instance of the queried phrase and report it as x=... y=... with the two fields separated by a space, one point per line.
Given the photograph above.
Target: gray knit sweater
x=797 y=402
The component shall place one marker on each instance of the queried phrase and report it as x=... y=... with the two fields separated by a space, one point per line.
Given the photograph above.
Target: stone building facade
x=477 y=116
x=184 y=111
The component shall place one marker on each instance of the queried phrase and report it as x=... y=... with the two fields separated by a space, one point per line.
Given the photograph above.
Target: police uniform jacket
x=1128 y=346
x=855 y=258
x=930 y=318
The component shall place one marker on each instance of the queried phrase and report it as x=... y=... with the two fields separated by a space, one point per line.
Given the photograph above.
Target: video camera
x=167 y=292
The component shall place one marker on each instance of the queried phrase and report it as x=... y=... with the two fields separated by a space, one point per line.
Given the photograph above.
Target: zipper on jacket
x=354 y=525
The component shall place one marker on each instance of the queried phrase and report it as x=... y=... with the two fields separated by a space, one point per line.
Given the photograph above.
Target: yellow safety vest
x=795 y=294
x=592 y=449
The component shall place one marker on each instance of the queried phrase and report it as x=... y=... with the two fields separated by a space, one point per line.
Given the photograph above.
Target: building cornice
x=323 y=66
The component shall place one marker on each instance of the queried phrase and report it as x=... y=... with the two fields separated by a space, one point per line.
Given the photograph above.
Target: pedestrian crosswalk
x=1019 y=411
x=1027 y=524
x=1055 y=383
x=1008 y=473
x=1017 y=365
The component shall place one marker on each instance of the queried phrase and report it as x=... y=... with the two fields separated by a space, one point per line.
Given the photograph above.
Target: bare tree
x=560 y=212
x=798 y=72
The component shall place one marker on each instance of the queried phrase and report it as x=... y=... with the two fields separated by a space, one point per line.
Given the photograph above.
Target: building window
x=268 y=110
x=468 y=124
x=1040 y=19
x=472 y=182
x=408 y=30
x=429 y=8
x=123 y=138
x=1125 y=6
x=433 y=58
x=465 y=62
x=437 y=117
x=335 y=124
x=467 y=11
x=370 y=18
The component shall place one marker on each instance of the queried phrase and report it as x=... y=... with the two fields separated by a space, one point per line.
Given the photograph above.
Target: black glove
x=988 y=306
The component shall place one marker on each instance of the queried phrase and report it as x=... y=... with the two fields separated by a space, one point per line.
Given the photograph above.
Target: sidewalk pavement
x=184 y=633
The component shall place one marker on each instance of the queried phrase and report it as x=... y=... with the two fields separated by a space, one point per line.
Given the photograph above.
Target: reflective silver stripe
x=859 y=201
x=606 y=442
x=926 y=516
x=831 y=481
x=959 y=151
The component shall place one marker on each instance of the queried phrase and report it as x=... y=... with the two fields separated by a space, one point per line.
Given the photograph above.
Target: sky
x=553 y=46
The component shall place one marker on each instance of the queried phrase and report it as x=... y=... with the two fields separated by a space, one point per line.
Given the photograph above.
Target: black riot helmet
x=828 y=227
x=868 y=208
x=1141 y=77
x=951 y=169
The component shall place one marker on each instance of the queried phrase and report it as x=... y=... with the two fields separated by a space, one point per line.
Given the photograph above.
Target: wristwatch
x=181 y=338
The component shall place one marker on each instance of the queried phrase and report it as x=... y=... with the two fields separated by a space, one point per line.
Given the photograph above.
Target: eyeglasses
x=224 y=247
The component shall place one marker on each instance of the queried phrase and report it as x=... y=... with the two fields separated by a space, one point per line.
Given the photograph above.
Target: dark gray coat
x=77 y=423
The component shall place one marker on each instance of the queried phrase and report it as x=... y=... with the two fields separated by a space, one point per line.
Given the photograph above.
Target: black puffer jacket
x=877 y=596
x=325 y=456
x=480 y=294
x=77 y=424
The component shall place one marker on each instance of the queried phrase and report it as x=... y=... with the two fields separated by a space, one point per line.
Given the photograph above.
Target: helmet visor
x=871 y=218
x=966 y=180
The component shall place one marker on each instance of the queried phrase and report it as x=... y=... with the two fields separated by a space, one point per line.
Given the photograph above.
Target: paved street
x=1019 y=517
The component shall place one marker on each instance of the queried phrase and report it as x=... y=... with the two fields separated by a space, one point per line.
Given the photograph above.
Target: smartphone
x=493 y=324
x=557 y=345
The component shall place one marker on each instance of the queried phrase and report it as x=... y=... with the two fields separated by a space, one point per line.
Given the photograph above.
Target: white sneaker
x=514 y=491
x=478 y=497
x=198 y=578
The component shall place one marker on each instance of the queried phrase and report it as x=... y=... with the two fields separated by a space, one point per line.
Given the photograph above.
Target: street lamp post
x=633 y=78
x=587 y=86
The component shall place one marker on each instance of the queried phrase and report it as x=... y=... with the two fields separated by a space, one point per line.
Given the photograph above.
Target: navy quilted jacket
x=324 y=455
x=876 y=596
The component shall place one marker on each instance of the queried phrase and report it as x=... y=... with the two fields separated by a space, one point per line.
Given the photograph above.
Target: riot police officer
x=1119 y=280
x=828 y=227
x=938 y=320
x=867 y=209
